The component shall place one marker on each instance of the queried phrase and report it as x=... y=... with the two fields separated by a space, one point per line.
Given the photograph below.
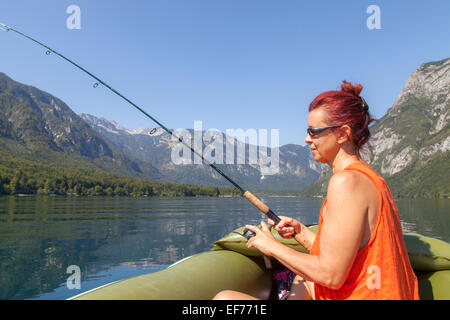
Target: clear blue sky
x=230 y=63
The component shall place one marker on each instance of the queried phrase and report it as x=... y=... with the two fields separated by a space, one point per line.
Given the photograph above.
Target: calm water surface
x=115 y=238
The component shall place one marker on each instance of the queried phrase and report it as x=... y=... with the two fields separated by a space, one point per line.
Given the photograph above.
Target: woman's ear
x=345 y=132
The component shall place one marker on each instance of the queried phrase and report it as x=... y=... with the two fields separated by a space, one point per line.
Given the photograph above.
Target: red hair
x=346 y=107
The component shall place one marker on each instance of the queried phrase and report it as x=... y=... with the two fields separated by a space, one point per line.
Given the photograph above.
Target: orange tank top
x=381 y=269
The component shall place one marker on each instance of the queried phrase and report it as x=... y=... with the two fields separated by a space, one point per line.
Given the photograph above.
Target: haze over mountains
x=410 y=144
x=296 y=168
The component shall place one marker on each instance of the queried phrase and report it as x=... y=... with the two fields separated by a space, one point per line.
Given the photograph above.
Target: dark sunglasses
x=312 y=131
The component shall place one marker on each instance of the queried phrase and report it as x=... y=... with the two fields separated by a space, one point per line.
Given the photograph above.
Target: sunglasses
x=313 y=131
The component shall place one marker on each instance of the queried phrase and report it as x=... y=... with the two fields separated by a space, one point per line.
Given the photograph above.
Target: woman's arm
x=344 y=220
x=305 y=237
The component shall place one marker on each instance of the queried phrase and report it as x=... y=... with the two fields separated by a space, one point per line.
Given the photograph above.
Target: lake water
x=115 y=238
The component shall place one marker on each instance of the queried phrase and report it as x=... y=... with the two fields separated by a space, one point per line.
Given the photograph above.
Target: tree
x=14 y=186
x=98 y=191
x=49 y=186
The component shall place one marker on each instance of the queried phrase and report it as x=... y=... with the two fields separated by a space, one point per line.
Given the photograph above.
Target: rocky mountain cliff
x=410 y=145
x=416 y=128
x=38 y=126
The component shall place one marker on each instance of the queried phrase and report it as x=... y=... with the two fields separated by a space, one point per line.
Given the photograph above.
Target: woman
x=359 y=251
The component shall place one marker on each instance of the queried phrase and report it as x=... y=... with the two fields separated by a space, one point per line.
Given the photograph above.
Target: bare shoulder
x=347 y=179
x=350 y=184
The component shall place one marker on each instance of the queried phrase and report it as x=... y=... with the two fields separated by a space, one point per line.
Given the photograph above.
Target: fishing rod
x=245 y=193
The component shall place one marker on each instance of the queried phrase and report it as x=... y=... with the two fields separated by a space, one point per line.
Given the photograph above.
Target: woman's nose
x=308 y=139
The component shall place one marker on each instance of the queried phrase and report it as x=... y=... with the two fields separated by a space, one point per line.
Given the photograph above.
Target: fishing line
x=247 y=194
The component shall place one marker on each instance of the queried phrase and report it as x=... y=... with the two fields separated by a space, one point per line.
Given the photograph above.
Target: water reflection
x=429 y=217
x=114 y=238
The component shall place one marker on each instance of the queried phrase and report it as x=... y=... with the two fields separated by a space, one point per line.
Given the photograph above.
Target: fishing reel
x=248 y=234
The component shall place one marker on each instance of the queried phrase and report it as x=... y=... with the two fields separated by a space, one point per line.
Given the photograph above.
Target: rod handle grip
x=256 y=202
x=261 y=206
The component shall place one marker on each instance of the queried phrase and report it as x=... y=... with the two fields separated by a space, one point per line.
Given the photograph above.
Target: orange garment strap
x=381 y=269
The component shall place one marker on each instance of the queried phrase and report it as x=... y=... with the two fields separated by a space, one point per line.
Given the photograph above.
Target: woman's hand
x=286 y=227
x=264 y=240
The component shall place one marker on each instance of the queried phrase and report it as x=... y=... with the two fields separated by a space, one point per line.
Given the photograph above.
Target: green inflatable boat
x=231 y=265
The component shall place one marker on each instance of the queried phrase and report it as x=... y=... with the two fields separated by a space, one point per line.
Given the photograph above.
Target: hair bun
x=350 y=88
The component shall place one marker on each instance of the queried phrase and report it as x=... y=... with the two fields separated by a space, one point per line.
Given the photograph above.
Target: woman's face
x=324 y=145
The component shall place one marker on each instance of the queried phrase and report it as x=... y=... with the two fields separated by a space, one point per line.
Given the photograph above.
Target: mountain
x=410 y=145
x=153 y=145
x=35 y=125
